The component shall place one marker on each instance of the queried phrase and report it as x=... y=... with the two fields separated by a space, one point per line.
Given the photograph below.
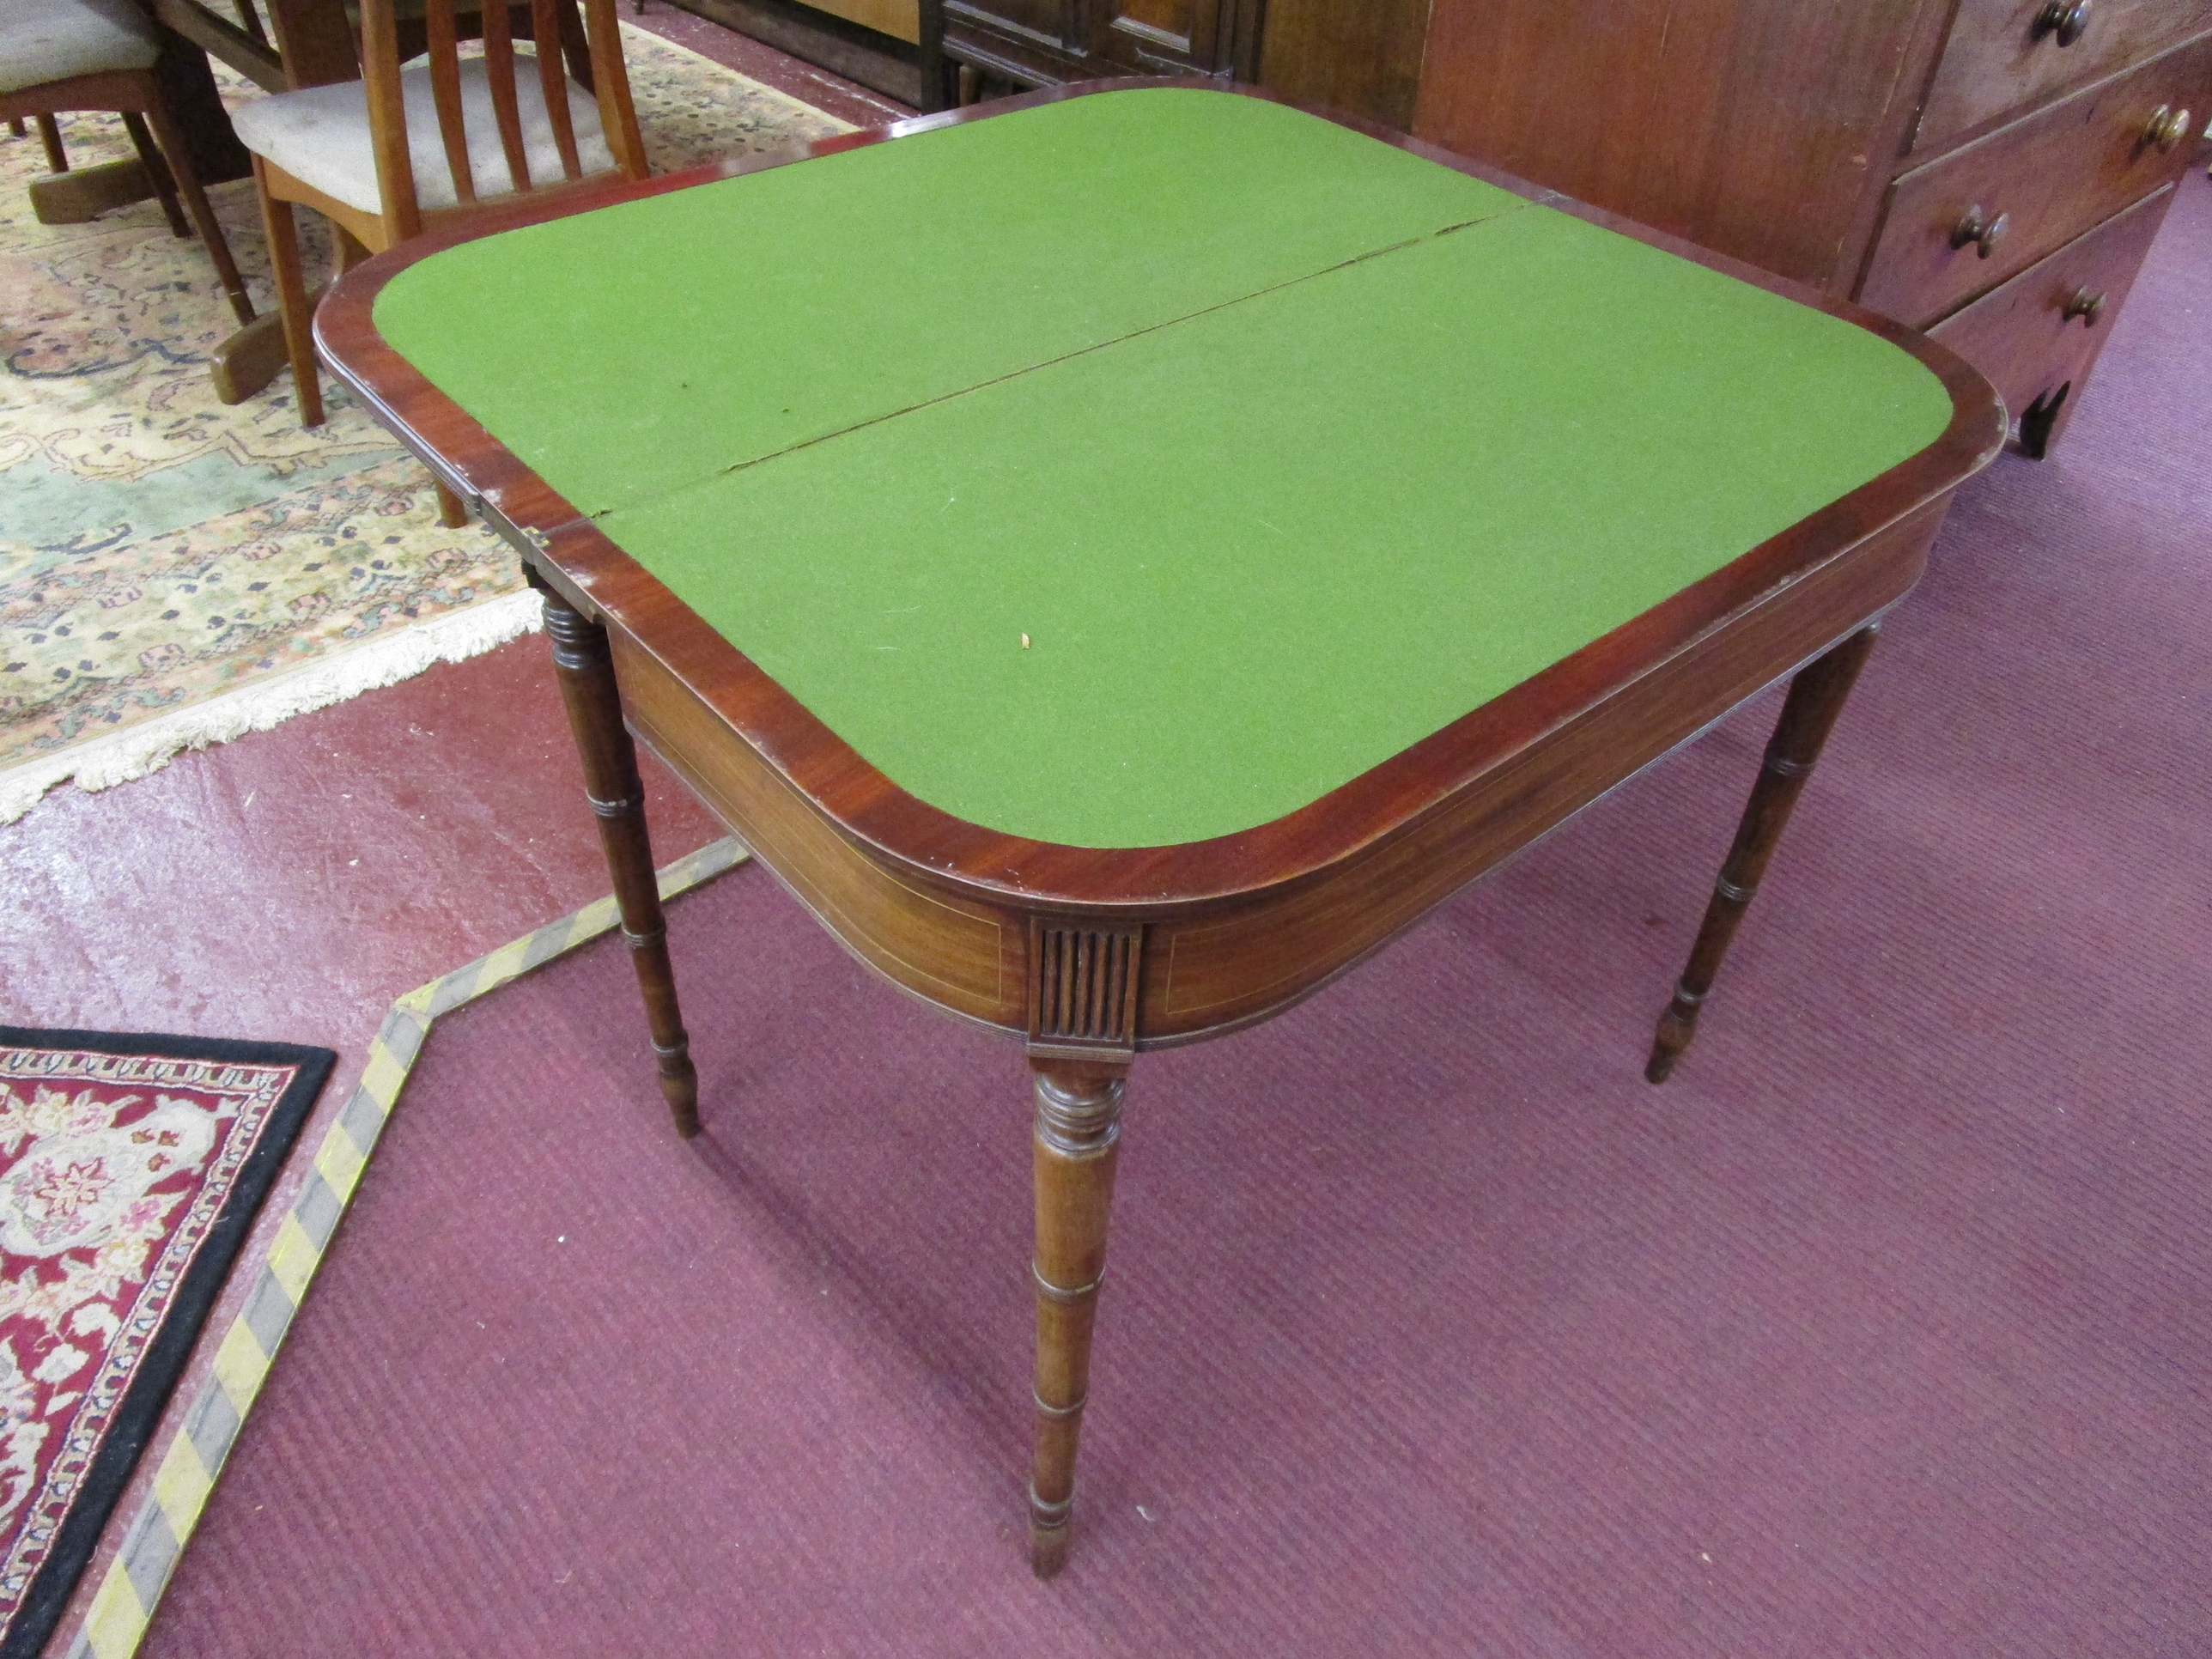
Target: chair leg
x=450 y=513
x=157 y=171
x=50 y=134
x=347 y=250
x=195 y=201
x=291 y=296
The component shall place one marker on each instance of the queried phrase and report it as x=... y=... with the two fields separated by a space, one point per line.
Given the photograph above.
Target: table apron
x=1206 y=967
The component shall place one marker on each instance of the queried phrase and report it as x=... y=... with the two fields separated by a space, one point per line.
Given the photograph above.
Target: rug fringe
x=138 y=749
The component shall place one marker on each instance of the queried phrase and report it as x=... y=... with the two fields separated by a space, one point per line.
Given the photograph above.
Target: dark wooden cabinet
x=1361 y=57
x=1989 y=170
x=894 y=46
x=935 y=53
x=1000 y=46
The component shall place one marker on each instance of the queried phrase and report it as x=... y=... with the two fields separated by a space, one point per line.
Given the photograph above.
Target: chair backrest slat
x=545 y=27
x=387 y=116
x=445 y=48
x=611 y=82
x=499 y=68
x=592 y=42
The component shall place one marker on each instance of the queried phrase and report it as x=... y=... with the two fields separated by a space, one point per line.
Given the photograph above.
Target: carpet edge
x=152 y=1539
x=145 y=748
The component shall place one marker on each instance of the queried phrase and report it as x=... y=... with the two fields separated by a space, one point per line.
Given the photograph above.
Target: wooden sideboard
x=1991 y=171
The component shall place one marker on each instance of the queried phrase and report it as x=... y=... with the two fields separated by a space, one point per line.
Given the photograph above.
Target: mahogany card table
x=1121 y=554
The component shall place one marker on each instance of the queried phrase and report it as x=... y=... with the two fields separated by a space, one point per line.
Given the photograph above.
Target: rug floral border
x=298 y=1074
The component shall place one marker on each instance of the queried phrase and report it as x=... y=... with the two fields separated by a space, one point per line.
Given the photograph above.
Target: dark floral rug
x=130 y=1169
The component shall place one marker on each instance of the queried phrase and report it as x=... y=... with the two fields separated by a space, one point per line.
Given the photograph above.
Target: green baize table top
x=1283 y=447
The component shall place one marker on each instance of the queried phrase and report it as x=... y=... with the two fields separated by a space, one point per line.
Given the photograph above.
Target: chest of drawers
x=1992 y=171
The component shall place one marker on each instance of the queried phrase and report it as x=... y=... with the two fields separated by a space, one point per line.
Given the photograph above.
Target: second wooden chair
x=410 y=148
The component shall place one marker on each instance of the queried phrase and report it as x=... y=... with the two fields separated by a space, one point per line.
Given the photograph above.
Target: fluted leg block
x=1816 y=697
x=585 y=670
x=1079 y=1112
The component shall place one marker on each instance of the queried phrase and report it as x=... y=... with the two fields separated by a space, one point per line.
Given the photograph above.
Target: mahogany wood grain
x=1809 y=715
x=1997 y=61
x=1762 y=129
x=1364 y=60
x=1074 y=1141
x=2052 y=174
x=1091 y=956
x=1773 y=129
x=616 y=797
x=2022 y=337
x=949 y=949
x=1234 y=966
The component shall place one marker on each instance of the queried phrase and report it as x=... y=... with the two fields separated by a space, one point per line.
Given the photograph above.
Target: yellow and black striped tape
x=154 y=1537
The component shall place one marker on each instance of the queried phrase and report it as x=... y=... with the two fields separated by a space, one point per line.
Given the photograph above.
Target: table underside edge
x=1057 y=974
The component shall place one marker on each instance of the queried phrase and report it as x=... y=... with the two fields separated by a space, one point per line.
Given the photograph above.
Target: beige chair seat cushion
x=320 y=135
x=47 y=41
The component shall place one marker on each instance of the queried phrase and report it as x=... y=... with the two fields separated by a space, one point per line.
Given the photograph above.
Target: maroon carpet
x=1881 y=1329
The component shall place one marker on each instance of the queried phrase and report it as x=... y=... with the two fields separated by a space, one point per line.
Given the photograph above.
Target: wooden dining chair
x=410 y=148
x=58 y=57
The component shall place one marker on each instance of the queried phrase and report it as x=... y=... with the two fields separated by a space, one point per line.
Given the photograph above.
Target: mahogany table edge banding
x=1090 y=955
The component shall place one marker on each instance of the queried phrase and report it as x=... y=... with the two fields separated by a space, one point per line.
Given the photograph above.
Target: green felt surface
x=1256 y=550
x=623 y=352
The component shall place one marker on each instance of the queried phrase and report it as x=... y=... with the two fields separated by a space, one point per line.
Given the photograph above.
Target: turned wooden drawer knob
x=2085 y=304
x=2063 y=19
x=1976 y=228
x=2167 y=127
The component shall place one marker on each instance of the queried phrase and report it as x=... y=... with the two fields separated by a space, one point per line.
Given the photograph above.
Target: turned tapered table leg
x=586 y=673
x=1079 y=1110
x=1816 y=697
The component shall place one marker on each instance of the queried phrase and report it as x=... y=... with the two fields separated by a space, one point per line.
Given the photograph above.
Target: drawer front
x=901 y=19
x=2048 y=178
x=2002 y=57
x=2030 y=336
x=1160 y=37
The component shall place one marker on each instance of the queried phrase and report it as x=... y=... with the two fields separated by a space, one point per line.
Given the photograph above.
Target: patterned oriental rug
x=175 y=573
x=131 y=1168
